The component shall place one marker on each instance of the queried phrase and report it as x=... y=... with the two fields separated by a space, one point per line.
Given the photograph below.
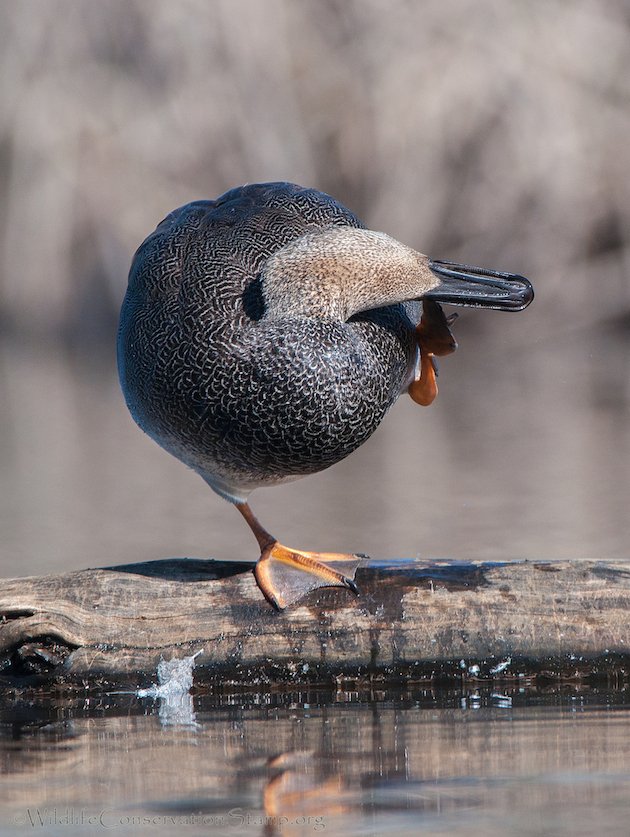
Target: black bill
x=461 y=284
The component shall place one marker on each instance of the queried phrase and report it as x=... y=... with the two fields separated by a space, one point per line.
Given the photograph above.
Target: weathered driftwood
x=411 y=619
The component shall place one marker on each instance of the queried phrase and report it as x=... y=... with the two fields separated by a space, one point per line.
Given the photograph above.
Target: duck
x=264 y=336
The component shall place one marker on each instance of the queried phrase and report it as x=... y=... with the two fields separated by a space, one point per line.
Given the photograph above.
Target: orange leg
x=286 y=575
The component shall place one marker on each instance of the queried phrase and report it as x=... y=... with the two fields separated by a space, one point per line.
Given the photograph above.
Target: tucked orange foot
x=286 y=575
x=424 y=389
x=434 y=338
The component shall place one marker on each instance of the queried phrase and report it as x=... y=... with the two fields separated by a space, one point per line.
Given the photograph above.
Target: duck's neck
x=339 y=271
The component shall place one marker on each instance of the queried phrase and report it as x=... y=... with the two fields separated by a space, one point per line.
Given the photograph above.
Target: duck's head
x=339 y=271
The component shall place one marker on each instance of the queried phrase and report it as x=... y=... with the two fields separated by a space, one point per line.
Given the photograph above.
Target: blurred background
x=486 y=132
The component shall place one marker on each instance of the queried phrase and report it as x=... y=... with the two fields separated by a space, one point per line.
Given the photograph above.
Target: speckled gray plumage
x=244 y=401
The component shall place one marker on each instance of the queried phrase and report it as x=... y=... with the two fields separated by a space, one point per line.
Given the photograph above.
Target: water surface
x=474 y=762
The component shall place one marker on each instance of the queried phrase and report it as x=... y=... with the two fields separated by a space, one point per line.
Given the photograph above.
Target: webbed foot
x=286 y=575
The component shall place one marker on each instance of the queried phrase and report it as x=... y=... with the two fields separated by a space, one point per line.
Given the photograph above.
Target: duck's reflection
x=300 y=795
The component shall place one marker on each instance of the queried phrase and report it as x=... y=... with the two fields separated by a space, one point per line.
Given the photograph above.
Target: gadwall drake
x=265 y=334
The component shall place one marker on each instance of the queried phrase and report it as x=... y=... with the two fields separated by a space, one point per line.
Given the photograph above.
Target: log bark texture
x=412 y=619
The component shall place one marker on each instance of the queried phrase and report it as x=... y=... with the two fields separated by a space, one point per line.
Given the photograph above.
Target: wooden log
x=412 y=619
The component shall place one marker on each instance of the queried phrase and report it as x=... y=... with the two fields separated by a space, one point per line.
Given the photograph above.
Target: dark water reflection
x=476 y=763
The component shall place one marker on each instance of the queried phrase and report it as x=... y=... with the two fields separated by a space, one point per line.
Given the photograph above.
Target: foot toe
x=351 y=585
